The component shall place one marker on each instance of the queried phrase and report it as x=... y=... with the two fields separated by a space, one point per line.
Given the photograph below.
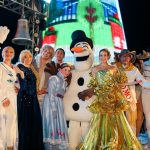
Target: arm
x=21 y=80
x=4 y=101
x=141 y=80
x=93 y=71
x=132 y=83
x=18 y=71
x=2 y=87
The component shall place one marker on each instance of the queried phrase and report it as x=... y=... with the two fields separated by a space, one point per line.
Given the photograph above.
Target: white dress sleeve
x=2 y=120
x=2 y=87
x=145 y=83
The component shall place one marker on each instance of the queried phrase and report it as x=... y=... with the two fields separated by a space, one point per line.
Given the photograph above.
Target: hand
x=86 y=94
x=139 y=81
x=42 y=91
x=83 y=96
x=6 y=102
x=17 y=70
x=3 y=33
x=87 y=97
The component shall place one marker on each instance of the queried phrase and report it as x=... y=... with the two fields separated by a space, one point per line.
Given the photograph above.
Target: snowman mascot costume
x=75 y=108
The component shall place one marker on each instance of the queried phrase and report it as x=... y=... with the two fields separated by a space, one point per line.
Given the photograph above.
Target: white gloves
x=3 y=33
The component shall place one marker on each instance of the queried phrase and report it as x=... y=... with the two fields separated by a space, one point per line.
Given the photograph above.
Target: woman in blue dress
x=29 y=116
x=54 y=123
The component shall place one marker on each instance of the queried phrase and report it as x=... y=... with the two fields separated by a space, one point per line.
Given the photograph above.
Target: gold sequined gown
x=109 y=129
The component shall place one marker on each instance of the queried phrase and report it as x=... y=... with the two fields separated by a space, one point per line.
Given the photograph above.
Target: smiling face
x=8 y=53
x=84 y=49
x=83 y=56
x=26 y=57
x=104 y=56
x=60 y=55
x=65 y=71
x=125 y=59
x=84 y=45
x=47 y=53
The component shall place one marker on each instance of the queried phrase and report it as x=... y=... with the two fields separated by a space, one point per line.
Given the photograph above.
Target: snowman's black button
x=75 y=106
x=80 y=81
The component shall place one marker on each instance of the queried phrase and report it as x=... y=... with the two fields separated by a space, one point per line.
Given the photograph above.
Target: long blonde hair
x=21 y=58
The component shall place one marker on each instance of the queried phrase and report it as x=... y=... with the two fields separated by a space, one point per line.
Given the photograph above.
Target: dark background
x=9 y=19
x=135 y=16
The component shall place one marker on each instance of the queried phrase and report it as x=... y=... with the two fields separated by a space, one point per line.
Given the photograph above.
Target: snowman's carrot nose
x=77 y=49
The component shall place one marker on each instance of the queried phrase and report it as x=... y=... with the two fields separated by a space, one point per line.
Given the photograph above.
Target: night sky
x=9 y=19
x=135 y=16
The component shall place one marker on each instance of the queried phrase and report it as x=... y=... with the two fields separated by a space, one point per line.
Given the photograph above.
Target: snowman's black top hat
x=79 y=36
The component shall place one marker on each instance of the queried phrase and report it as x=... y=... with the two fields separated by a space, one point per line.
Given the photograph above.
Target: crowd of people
x=31 y=101
x=22 y=90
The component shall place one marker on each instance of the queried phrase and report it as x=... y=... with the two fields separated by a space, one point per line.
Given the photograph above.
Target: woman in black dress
x=29 y=116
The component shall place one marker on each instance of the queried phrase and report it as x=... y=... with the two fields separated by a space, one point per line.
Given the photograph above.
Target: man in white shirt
x=134 y=77
x=40 y=61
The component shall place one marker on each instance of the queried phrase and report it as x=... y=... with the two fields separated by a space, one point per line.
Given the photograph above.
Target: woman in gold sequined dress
x=109 y=129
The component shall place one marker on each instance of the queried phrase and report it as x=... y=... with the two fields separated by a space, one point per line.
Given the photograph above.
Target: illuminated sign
x=66 y=16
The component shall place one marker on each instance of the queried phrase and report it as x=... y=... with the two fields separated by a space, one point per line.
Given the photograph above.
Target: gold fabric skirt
x=109 y=129
x=110 y=132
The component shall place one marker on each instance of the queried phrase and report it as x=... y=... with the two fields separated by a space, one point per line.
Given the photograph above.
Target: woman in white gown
x=8 y=103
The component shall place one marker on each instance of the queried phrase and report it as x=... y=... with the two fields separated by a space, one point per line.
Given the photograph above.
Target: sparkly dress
x=29 y=116
x=109 y=129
